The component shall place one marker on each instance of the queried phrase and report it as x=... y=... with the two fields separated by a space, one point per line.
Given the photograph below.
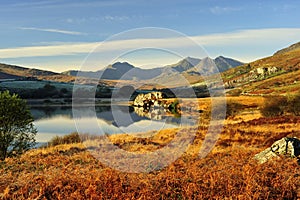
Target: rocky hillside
x=277 y=74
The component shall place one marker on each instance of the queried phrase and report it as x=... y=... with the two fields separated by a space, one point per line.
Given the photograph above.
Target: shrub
x=235 y=92
x=274 y=106
x=220 y=112
x=49 y=87
x=63 y=91
x=233 y=108
x=174 y=107
x=66 y=139
x=47 y=91
x=47 y=101
x=294 y=104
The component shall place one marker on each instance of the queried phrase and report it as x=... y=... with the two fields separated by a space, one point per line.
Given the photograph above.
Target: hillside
x=17 y=72
x=276 y=74
x=22 y=71
x=288 y=49
x=8 y=76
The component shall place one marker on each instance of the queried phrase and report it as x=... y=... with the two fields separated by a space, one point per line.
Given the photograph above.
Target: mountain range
x=276 y=74
x=126 y=71
x=117 y=71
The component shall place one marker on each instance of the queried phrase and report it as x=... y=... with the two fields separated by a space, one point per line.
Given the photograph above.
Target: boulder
x=288 y=147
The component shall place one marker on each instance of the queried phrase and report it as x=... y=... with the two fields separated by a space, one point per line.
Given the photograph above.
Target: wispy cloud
x=108 y=18
x=108 y=3
x=217 y=10
x=53 y=30
x=115 y=18
x=81 y=20
x=67 y=3
x=51 y=50
x=32 y=4
x=242 y=39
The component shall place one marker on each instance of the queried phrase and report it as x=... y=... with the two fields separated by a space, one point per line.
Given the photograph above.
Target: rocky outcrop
x=253 y=75
x=263 y=71
x=148 y=100
x=154 y=100
x=289 y=147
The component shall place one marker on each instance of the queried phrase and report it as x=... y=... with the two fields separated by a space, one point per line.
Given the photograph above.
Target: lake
x=105 y=119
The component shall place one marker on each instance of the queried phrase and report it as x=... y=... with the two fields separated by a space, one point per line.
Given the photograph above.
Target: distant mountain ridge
x=118 y=71
x=224 y=64
x=185 y=64
x=23 y=71
x=16 y=72
x=126 y=71
x=176 y=75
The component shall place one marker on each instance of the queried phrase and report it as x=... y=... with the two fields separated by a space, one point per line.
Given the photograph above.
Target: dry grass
x=286 y=83
x=228 y=172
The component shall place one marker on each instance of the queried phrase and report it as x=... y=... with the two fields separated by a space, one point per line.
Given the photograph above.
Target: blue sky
x=59 y=34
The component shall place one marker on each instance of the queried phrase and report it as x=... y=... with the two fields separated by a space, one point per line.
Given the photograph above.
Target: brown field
x=227 y=172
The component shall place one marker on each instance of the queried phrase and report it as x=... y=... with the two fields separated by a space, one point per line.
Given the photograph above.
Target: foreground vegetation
x=69 y=171
x=17 y=131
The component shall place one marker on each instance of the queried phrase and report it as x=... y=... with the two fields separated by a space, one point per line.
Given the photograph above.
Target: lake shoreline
x=84 y=102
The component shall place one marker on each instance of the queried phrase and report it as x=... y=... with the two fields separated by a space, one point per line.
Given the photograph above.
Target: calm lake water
x=61 y=120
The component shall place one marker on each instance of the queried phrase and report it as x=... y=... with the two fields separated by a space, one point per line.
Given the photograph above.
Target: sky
x=60 y=35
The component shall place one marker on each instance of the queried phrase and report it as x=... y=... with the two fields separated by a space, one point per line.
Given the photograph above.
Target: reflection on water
x=60 y=120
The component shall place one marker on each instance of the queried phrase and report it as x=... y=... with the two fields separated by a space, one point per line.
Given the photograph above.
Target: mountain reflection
x=110 y=119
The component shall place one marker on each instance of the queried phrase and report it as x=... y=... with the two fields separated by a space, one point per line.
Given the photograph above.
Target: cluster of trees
x=99 y=92
x=48 y=91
